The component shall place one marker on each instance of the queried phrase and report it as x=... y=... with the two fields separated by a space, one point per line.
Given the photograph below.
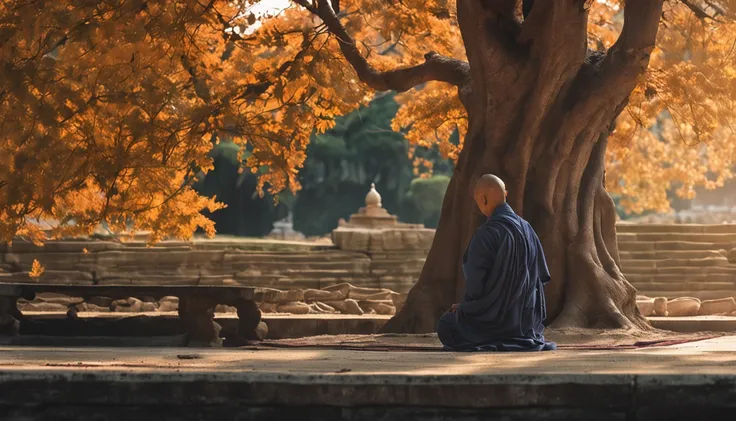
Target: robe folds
x=504 y=305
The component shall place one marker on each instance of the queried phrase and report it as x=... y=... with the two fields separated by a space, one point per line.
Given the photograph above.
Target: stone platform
x=684 y=382
x=162 y=324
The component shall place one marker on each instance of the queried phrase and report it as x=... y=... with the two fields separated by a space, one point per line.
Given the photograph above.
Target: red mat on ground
x=429 y=343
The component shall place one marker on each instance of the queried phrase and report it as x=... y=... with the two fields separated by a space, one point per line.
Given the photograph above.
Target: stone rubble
x=337 y=299
x=685 y=307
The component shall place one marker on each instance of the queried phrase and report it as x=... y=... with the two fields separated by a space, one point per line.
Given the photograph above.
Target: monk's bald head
x=489 y=192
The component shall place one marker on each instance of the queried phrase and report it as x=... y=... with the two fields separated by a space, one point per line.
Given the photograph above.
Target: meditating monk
x=505 y=273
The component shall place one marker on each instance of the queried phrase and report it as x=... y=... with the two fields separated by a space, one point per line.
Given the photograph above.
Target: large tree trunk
x=541 y=107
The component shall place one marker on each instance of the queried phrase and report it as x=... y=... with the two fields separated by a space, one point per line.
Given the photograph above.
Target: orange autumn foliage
x=36 y=269
x=108 y=109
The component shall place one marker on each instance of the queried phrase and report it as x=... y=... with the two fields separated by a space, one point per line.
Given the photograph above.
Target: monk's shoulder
x=493 y=231
x=528 y=228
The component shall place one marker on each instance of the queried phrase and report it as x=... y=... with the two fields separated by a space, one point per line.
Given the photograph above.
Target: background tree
x=362 y=149
x=109 y=110
x=246 y=213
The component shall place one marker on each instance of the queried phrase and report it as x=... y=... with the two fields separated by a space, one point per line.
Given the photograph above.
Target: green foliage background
x=340 y=167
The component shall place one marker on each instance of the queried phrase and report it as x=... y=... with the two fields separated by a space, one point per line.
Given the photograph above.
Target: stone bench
x=196 y=307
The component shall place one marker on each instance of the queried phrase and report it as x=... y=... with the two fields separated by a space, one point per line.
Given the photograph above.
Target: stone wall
x=273 y=264
x=668 y=261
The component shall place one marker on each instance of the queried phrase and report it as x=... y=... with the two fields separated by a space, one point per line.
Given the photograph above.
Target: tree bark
x=541 y=107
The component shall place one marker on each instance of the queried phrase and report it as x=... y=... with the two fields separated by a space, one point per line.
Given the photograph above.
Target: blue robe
x=505 y=274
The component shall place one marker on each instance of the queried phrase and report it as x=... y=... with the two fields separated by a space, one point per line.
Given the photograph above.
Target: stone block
x=343 y=288
x=348 y=306
x=64 y=246
x=149 y=306
x=268 y=307
x=51 y=297
x=378 y=306
x=43 y=306
x=170 y=279
x=277 y=296
x=363 y=293
x=731 y=255
x=323 y=308
x=221 y=308
x=61 y=277
x=721 y=306
x=352 y=239
x=382 y=295
x=646 y=307
x=324 y=295
x=294 y=308
x=127 y=305
x=87 y=307
x=100 y=301
x=685 y=306
x=168 y=303
x=391 y=240
x=660 y=306
x=376 y=241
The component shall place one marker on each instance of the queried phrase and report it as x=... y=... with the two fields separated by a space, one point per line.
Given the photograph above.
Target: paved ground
x=708 y=357
x=691 y=381
x=294 y=326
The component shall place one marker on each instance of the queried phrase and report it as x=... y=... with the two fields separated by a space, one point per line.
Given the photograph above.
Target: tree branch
x=629 y=56
x=701 y=12
x=255 y=89
x=200 y=86
x=436 y=67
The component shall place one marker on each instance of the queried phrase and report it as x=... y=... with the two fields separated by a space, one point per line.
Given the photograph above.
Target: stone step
x=49 y=276
x=677 y=228
x=679 y=270
x=627 y=264
x=19 y=246
x=214 y=268
x=629 y=245
x=626 y=236
x=157 y=257
x=702 y=295
x=161 y=258
x=685 y=286
x=318 y=273
x=294 y=257
x=55 y=261
x=319 y=283
x=691 y=237
x=261 y=245
x=670 y=254
x=680 y=277
x=278 y=267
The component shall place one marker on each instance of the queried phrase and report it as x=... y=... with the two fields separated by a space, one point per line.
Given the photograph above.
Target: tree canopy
x=109 y=109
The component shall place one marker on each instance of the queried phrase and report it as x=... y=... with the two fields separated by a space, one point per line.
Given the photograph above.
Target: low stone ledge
x=345 y=396
x=336 y=299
